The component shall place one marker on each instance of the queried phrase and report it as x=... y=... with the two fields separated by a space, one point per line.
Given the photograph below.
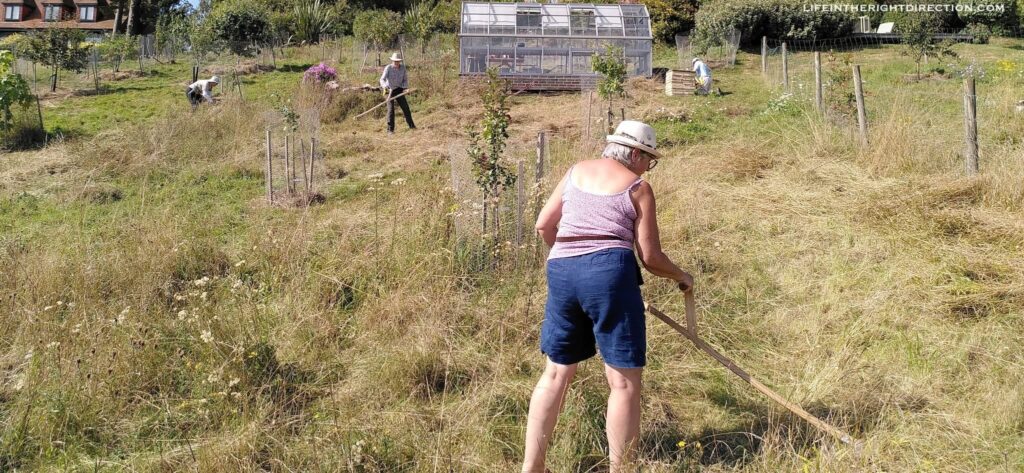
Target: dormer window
x=87 y=13
x=52 y=13
x=12 y=12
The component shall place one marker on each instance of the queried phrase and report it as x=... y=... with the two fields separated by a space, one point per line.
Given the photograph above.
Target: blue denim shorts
x=595 y=298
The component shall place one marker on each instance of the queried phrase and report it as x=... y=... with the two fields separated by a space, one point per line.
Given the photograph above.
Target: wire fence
x=720 y=52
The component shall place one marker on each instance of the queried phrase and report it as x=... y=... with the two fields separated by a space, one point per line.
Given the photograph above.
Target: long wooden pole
x=970 y=127
x=785 y=68
x=764 y=55
x=690 y=332
x=270 y=170
x=375 y=107
x=862 y=115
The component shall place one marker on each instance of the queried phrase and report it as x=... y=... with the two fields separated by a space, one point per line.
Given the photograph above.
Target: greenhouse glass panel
x=528 y=19
x=609 y=20
x=582 y=20
x=475 y=17
x=555 y=19
x=503 y=18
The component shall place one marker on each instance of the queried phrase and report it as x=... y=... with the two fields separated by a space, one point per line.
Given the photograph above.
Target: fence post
x=970 y=126
x=302 y=153
x=785 y=68
x=862 y=116
x=818 y=102
x=195 y=73
x=764 y=55
x=590 y=108
x=541 y=141
x=270 y=171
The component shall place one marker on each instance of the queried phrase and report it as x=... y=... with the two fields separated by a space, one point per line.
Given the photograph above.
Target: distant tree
x=202 y=38
x=918 y=35
x=379 y=29
x=612 y=66
x=1000 y=22
x=669 y=17
x=118 y=48
x=13 y=89
x=447 y=16
x=172 y=32
x=60 y=47
x=243 y=26
x=312 y=19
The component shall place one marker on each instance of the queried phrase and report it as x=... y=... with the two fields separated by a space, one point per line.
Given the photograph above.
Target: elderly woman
x=600 y=212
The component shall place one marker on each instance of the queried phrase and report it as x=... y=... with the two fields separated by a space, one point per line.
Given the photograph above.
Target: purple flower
x=321 y=73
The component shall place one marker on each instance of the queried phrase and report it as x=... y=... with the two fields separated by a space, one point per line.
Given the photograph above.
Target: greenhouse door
x=581 y=63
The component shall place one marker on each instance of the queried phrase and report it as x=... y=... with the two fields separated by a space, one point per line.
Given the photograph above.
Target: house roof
x=32 y=18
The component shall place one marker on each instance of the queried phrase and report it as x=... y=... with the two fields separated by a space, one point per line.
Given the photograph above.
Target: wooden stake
x=862 y=116
x=270 y=171
x=541 y=142
x=970 y=126
x=520 y=198
x=287 y=163
x=785 y=68
x=302 y=152
x=818 y=100
x=312 y=160
x=590 y=109
x=691 y=333
x=764 y=55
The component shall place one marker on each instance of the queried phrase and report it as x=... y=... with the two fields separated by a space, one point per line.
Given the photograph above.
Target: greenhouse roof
x=571 y=20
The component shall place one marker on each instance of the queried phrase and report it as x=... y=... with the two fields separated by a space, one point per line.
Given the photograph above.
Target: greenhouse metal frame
x=549 y=46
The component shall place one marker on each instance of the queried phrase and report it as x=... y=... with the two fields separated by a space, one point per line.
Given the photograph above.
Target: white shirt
x=701 y=69
x=204 y=87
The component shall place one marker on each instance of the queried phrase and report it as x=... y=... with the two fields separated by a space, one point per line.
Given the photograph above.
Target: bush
x=241 y=25
x=981 y=33
x=772 y=18
x=998 y=22
x=321 y=73
x=379 y=29
x=13 y=89
x=447 y=16
x=17 y=42
x=670 y=17
x=312 y=19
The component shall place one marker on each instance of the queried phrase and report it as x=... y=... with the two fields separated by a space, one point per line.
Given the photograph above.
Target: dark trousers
x=193 y=98
x=405 y=109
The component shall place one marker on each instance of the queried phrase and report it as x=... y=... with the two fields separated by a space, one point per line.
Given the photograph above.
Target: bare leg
x=546 y=403
x=623 y=419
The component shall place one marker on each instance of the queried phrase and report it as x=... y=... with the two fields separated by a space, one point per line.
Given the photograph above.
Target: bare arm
x=551 y=214
x=648 y=241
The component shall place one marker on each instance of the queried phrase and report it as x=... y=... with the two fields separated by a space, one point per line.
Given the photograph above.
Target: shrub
x=446 y=15
x=118 y=48
x=669 y=17
x=419 y=23
x=1000 y=22
x=321 y=73
x=17 y=42
x=981 y=33
x=312 y=19
x=241 y=25
x=773 y=18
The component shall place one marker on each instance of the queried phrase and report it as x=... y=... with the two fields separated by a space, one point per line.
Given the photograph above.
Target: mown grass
x=159 y=316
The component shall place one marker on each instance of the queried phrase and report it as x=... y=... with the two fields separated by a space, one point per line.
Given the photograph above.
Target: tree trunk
x=117 y=17
x=131 y=18
x=53 y=80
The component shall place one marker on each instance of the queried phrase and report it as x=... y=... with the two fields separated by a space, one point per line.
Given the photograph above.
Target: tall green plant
x=487 y=146
x=13 y=89
x=118 y=48
x=60 y=48
x=611 y=64
x=419 y=23
x=312 y=19
x=379 y=29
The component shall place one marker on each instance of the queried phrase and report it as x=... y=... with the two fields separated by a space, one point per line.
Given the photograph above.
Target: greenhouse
x=549 y=46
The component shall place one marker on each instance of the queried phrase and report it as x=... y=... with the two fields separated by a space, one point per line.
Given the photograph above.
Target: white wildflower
x=206 y=336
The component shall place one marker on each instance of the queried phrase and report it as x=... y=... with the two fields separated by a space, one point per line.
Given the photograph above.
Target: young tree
x=59 y=47
x=379 y=29
x=487 y=146
x=612 y=66
x=13 y=89
x=918 y=34
x=243 y=26
x=118 y=48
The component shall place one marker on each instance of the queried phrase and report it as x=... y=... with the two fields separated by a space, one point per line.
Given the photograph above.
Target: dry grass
x=159 y=317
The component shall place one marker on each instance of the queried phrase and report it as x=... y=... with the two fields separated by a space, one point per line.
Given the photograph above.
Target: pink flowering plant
x=320 y=73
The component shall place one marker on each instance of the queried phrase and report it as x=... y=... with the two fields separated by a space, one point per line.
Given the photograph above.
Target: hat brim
x=396 y=59
x=622 y=140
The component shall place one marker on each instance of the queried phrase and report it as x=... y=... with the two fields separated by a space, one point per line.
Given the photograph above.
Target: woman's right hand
x=685 y=282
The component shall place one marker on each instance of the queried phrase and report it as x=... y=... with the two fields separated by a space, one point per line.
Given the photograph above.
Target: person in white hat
x=201 y=90
x=703 y=76
x=394 y=81
x=599 y=218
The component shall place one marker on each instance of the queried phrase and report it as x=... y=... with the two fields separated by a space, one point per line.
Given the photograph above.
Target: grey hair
x=618 y=152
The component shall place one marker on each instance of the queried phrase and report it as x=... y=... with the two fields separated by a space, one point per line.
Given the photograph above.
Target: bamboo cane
x=690 y=332
x=375 y=107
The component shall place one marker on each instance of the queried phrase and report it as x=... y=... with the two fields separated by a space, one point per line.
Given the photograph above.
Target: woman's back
x=597 y=210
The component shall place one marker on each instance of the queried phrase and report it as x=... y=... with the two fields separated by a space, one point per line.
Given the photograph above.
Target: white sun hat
x=636 y=135
x=215 y=79
x=396 y=56
x=695 y=60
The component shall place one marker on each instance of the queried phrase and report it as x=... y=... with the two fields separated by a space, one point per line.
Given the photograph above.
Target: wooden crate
x=680 y=82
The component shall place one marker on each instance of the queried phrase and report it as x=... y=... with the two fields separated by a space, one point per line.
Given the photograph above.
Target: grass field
x=157 y=315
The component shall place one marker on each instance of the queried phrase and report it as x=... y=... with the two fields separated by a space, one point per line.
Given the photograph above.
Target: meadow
x=156 y=314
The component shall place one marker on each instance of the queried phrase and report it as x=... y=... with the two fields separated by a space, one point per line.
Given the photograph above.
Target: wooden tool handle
x=690 y=332
x=385 y=102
